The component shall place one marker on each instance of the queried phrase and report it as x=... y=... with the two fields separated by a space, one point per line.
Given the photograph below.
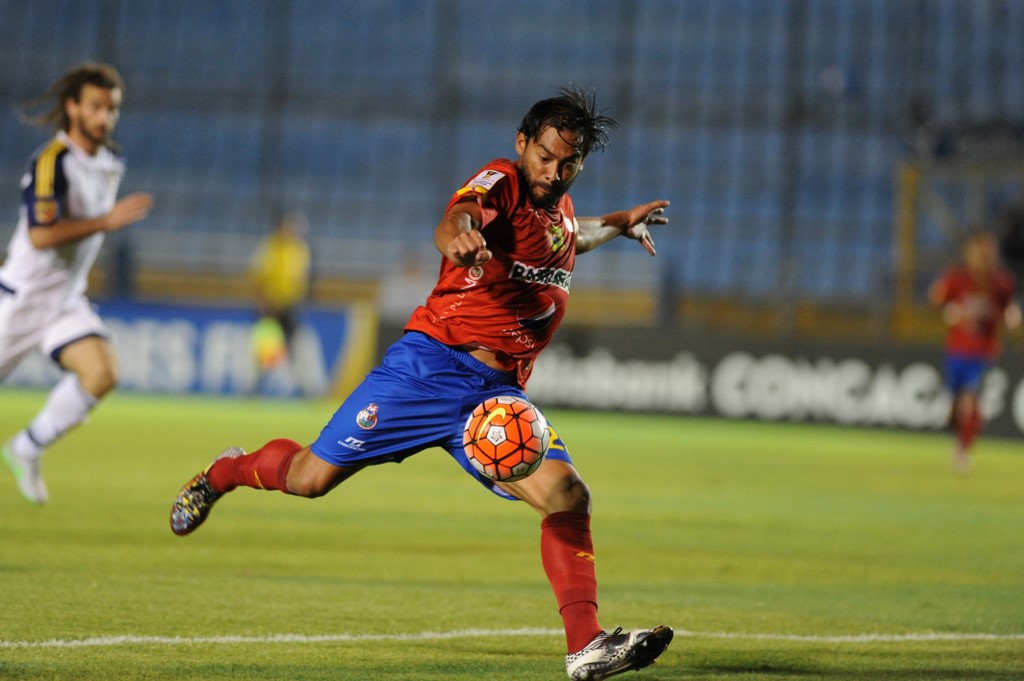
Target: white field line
x=128 y=639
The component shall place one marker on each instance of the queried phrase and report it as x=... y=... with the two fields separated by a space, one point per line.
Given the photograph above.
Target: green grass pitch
x=776 y=551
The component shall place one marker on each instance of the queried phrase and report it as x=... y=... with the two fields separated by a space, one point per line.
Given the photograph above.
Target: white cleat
x=27 y=473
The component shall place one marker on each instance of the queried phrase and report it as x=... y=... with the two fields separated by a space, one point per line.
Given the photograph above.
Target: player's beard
x=98 y=134
x=546 y=197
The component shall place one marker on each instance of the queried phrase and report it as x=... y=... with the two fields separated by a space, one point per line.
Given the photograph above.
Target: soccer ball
x=506 y=438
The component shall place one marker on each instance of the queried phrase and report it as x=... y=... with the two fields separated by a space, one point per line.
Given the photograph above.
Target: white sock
x=67 y=406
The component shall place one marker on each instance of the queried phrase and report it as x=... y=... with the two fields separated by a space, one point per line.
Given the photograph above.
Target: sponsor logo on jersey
x=352 y=443
x=45 y=211
x=367 y=417
x=553 y=276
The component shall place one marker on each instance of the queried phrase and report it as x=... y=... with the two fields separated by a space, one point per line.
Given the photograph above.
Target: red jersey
x=982 y=305
x=513 y=303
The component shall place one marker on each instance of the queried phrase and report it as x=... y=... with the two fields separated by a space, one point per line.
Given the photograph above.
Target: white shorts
x=25 y=327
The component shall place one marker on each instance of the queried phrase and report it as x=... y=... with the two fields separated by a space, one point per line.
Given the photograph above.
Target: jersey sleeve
x=45 y=193
x=493 y=188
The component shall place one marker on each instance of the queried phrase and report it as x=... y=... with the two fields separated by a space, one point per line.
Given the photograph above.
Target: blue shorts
x=964 y=374
x=419 y=397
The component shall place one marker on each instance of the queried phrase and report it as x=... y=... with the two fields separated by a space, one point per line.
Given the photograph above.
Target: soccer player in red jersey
x=509 y=240
x=976 y=298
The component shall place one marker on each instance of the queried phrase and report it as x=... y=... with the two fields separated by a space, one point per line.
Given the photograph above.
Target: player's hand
x=467 y=249
x=129 y=210
x=638 y=219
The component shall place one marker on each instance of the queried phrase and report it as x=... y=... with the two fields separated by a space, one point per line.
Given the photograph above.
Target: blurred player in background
x=509 y=239
x=69 y=201
x=976 y=297
x=280 y=274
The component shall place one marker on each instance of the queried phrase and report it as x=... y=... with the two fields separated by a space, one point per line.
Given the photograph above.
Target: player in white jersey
x=69 y=200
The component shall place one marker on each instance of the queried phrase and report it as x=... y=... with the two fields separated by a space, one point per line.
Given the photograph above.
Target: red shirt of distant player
x=513 y=303
x=982 y=304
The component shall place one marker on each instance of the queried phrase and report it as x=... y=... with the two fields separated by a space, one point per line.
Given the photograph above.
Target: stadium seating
x=774 y=127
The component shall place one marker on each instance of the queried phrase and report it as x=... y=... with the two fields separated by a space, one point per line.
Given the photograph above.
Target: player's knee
x=100 y=380
x=579 y=496
x=111 y=377
x=307 y=489
x=308 y=477
x=307 y=486
x=569 y=494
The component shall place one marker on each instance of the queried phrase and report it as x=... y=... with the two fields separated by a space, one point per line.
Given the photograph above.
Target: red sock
x=567 y=552
x=266 y=468
x=967 y=427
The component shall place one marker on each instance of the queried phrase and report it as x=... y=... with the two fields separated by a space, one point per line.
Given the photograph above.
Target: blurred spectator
x=280 y=274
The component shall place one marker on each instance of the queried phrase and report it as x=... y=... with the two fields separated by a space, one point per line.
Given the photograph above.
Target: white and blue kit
x=42 y=290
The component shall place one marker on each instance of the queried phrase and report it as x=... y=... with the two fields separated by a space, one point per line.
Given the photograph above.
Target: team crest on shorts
x=367 y=418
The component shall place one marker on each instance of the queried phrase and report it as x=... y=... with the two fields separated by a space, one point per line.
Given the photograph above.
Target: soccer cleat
x=617 y=652
x=26 y=472
x=196 y=498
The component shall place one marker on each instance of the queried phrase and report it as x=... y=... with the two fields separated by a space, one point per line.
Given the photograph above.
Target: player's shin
x=567 y=552
x=969 y=424
x=67 y=406
x=266 y=468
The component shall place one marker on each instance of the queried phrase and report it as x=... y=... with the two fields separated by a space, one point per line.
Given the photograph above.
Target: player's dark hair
x=69 y=86
x=573 y=110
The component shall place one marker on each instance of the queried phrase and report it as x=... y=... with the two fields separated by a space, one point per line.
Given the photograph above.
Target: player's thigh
x=93 y=359
x=386 y=419
x=77 y=340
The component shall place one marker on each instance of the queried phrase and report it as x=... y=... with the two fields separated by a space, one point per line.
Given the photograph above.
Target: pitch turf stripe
x=110 y=641
x=854 y=638
x=113 y=641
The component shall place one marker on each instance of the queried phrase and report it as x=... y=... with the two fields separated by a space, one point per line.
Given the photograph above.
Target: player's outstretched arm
x=127 y=211
x=631 y=224
x=458 y=236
